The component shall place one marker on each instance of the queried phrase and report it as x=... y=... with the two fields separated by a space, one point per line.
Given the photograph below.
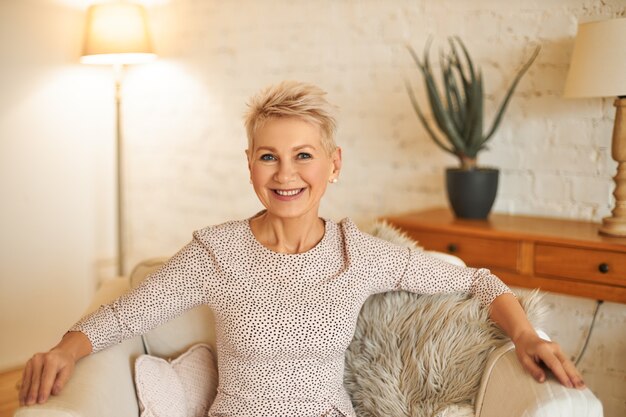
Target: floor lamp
x=117 y=34
x=598 y=69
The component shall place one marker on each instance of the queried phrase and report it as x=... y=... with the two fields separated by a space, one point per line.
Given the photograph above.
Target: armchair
x=102 y=384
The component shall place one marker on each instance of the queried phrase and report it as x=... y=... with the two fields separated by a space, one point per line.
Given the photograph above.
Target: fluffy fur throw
x=415 y=355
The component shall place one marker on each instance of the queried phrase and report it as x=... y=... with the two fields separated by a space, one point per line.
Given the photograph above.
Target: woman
x=286 y=286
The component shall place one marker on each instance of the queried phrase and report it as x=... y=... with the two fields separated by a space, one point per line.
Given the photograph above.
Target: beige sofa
x=102 y=384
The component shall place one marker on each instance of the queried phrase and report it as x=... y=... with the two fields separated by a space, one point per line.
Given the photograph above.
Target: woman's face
x=289 y=167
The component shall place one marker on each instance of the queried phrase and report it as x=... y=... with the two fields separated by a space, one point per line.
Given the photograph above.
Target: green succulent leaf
x=509 y=94
x=452 y=104
x=457 y=62
x=475 y=130
x=414 y=56
x=468 y=60
x=458 y=98
x=443 y=119
x=423 y=120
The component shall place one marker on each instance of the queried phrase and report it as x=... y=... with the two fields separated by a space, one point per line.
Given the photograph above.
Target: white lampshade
x=117 y=33
x=598 y=66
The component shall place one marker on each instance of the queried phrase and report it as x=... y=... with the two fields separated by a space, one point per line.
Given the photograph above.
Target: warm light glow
x=598 y=67
x=84 y=4
x=117 y=33
x=115 y=59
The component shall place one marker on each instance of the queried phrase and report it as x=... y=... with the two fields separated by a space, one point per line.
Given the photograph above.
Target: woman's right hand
x=47 y=373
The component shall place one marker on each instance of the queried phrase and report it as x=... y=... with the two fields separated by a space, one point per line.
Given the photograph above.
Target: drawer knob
x=603 y=267
x=452 y=248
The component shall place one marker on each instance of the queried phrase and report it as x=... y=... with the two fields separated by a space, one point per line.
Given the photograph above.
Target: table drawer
x=477 y=252
x=581 y=264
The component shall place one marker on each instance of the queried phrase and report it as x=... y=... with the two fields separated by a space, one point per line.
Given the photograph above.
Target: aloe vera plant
x=459 y=109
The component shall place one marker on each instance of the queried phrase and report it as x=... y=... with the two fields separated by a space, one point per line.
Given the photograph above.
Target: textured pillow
x=421 y=355
x=183 y=387
x=415 y=355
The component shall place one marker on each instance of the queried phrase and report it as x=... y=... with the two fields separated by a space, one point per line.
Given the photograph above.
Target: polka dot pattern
x=283 y=321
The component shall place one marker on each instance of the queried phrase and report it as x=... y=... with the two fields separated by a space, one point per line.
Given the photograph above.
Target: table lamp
x=598 y=69
x=117 y=34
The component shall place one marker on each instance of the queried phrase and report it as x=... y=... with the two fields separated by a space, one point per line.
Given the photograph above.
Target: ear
x=248 y=156
x=337 y=161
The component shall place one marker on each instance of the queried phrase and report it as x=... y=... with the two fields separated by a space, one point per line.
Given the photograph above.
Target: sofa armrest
x=101 y=386
x=102 y=383
x=508 y=390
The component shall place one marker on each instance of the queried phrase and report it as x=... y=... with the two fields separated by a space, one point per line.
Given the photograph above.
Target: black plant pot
x=472 y=192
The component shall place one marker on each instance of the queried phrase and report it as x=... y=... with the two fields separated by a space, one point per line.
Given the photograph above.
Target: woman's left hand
x=532 y=352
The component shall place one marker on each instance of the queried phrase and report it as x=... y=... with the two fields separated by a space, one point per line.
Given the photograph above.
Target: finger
x=62 y=377
x=47 y=379
x=34 y=380
x=573 y=373
x=555 y=365
x=532 y=368
x=26 y=376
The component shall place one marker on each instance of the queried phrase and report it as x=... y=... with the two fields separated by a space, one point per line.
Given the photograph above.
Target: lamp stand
x=118 y=68
x=616 y=224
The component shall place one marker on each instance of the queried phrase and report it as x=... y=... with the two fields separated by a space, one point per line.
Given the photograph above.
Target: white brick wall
x=183 y=114
x=185 y=141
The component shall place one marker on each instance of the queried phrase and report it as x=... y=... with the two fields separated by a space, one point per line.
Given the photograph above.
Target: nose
x=285 y=172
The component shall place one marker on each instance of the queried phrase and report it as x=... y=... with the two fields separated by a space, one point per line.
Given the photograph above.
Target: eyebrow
x=297 y=148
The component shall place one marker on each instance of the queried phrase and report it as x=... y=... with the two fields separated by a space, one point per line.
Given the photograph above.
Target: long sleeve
x=180 y=284
x=426 y=274
x=392 y=267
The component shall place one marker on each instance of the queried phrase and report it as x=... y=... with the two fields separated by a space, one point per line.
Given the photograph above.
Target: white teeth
x=288 y=192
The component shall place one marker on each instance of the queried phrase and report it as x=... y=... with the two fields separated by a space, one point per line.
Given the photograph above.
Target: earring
x=334 y=180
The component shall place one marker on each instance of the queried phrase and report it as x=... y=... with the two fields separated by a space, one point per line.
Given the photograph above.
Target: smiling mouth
x=288 y=193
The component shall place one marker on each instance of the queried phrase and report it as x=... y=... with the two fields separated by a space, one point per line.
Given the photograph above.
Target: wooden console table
x=562 y=256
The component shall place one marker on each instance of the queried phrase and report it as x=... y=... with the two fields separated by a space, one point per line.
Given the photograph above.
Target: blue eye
x=267 y=157
x=304 y=155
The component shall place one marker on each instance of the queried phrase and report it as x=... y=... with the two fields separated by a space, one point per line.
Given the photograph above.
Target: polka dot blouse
x=283 y=321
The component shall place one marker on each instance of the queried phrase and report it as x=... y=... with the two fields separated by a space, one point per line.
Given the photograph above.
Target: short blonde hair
x=292 y=99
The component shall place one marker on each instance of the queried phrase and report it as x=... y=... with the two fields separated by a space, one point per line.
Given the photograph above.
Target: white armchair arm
x=102 y=383
x=508 y=390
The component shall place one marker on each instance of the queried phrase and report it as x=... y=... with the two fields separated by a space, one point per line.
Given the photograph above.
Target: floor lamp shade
x=117 y=33
x=598 y=69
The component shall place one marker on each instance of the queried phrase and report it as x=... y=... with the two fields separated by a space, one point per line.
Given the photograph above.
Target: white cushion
x=508 y=390
x=184 y=387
